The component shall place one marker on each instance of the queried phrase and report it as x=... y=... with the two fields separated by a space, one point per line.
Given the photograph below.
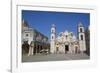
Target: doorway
x=66 y=48
x=76 y=50
x=57 y=50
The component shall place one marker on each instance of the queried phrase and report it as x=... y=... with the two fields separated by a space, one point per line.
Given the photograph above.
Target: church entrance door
x=66 y=48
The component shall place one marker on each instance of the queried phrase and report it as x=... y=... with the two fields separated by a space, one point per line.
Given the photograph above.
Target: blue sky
x=42 y=20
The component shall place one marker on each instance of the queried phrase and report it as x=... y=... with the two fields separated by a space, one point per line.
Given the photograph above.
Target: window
x=52 y=37
x=81 y=30
x=26 y=34
x=66 y=36
x=52 y=31
x=81 y=37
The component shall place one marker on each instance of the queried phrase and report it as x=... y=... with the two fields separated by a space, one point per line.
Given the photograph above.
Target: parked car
x=44 y=51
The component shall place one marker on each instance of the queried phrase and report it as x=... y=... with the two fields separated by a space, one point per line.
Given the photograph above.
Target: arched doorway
x=76 y=49
x=57 y=49
x=66 y=49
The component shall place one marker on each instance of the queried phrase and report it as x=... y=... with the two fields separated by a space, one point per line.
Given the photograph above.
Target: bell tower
x=53 y=39
x=81 y=38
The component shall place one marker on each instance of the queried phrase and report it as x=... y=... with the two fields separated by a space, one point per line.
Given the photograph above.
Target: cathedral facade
x=66 y=42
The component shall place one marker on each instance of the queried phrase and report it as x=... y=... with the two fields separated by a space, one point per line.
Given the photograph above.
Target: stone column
x=36 y=49
x=30 y=51
x=39 y=48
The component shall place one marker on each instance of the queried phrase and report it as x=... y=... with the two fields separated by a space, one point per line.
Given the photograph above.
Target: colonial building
x=87 y=38
x=66 y=42
x=38 y=40
x=27 y=32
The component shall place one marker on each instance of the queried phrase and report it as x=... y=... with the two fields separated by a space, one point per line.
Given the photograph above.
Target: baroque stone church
x=66 y=42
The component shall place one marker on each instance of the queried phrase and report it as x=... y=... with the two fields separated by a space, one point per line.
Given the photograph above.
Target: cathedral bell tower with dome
x=81 y=38
x=53 y=39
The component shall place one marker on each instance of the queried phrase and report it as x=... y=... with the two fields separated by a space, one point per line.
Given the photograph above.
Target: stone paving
x=54 y=57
